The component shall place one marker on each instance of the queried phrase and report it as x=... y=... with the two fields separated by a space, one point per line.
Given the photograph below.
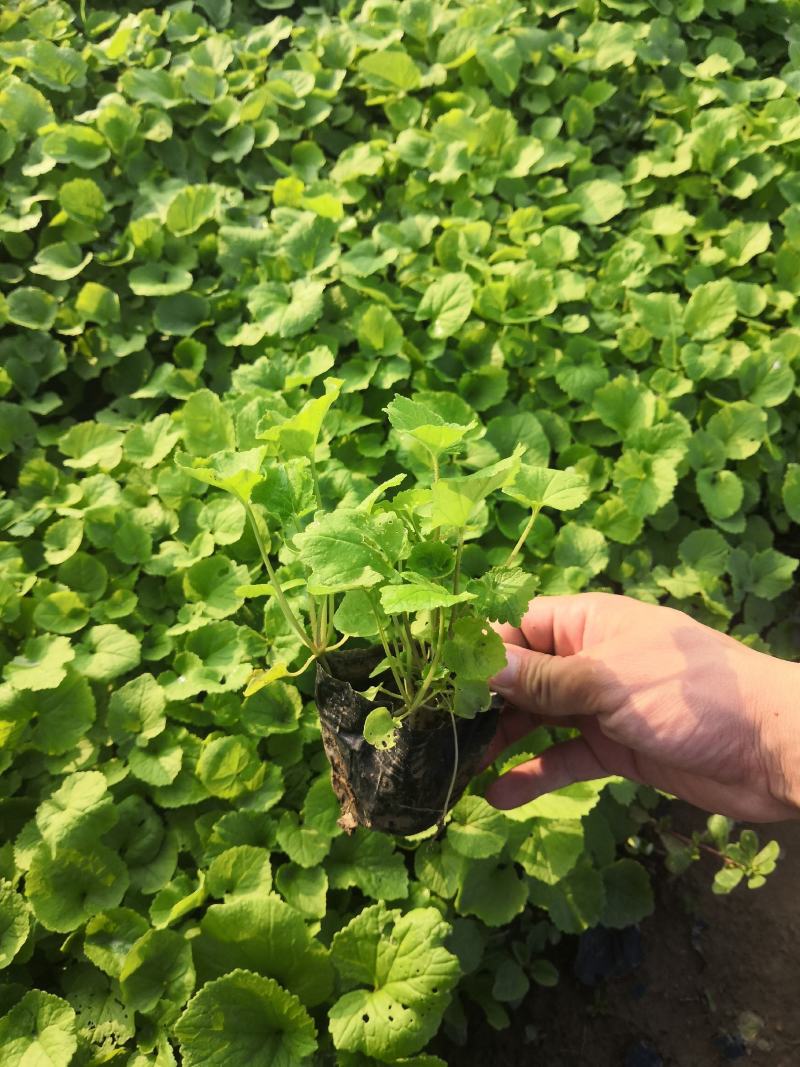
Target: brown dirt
x=719 y=983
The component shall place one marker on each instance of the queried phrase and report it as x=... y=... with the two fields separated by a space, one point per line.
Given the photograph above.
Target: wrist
x=782 y=734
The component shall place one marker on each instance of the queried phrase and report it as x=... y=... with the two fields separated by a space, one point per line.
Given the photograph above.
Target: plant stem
x=315 y=479
x=454 y=775
x=400 y=681
x=427 y=681
x=283 y=603
x=707 y=848
x=523 y=537
x=411 y=644
x=457 y=570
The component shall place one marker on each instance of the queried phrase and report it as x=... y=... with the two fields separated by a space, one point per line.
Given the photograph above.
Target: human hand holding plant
x=657 y=697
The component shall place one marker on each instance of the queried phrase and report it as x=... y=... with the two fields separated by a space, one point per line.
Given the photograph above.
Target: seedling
x=383 y=575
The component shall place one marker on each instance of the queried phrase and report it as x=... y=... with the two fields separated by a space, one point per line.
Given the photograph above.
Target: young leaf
x=504 y=593
x=380 y=728
x=453 y=500
x=347 y=549
x=474 y=652
x=297 y=436
x=541 y=487
x=416 y=594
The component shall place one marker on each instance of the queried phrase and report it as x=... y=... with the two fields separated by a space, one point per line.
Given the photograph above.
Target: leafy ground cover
x=577 y=225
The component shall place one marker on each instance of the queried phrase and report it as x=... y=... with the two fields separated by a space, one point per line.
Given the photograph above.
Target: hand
x=658 y=698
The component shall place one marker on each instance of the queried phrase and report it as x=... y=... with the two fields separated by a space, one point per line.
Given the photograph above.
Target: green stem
x=315 y=479
x=457 y=571
x=523 y=537
x=399 y=680
x=454 y=775
x=411 y=644
x=283 y=603
x=427 y=681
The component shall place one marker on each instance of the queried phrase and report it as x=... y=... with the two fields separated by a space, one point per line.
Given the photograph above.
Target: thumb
x=551 y=686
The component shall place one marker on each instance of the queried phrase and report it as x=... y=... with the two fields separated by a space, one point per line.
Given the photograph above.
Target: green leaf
x=476 y=830
x=502 y=62
x=64 y=714
x=157 y=967
x=380 y=728
x=91 y=444
x=42 y=664
x=625 y=406
x=78 y=812
x=61 y=261
x=83 y=200
x=504 y=593
x=245 y=1020
x=425 y=425
x=454 y=500
x=61 y=613
x=268 y=937
x=304 y=844
x=305 y=890
x=370 y=862
x=407 y=976
x=14 y=923
x=298 y=435
x=239 y=871
x=213 y=583
x=541 y=487
x=551 y=849
x=576 y=903
x=791 y=492
x=705 y=550
x=571 y=802
x=136 y=710
x=390 y=70
x=229 y=766
x=510 y=982
x=109 y=937
x=711 y=309
x=79 y=145
x=347 y=549
x=354 y=615
x=766 y=574
x=181 y=314
x=107 y=652
x=447 y=303
x=474 y=652
x=581 y=546
x=740 y=427
x=31 y=307
x=208 y=429
x=494 y=893
x=417 y=594
x=67 y=887
x=191 y=208
x=721 y=492
x=599 y=201
x=148 y=444
x=159 y=279
x=39 y=1029
x=628 y=894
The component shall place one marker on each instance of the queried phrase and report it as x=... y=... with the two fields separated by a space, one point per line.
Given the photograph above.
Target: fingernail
x=504 y=680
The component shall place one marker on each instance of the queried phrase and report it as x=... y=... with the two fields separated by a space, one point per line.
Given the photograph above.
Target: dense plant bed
x=570 y=233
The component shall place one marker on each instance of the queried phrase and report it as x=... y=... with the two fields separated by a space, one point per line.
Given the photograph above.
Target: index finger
x=559 y=625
